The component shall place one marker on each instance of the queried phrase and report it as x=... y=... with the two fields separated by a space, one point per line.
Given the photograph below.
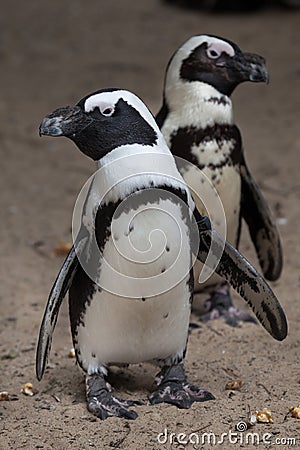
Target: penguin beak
x=61 y=122
x=249 y=67
x=255 y=65
x=245 y=67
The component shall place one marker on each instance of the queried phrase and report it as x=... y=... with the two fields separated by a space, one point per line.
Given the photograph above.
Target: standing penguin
x=129 y=273
x=197 y=122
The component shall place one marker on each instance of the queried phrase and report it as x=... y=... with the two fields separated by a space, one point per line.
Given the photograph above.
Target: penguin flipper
x=262 y=228
x=57 y=294
x=242 y=276
x=162 y=114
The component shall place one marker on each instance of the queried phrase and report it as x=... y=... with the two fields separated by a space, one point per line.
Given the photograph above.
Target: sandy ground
x=52 y=53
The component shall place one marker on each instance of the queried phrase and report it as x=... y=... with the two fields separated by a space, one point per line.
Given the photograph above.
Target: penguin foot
x=219 y=306
x=101 y=402
x=175 y=389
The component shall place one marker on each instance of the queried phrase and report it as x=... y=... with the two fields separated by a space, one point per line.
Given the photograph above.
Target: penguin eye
x=102 y=110
x=108 y=111
x=212 y=53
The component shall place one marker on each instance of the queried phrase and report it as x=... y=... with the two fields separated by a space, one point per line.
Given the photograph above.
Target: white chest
x=142 y=311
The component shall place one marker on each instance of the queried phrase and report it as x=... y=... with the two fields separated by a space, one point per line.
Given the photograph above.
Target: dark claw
x=109 y=406
x=183 y=396
x=102 y=404
x=132 y=402
x=171 y=393
x=174 y=389
x=197 y=394
x=219 y=306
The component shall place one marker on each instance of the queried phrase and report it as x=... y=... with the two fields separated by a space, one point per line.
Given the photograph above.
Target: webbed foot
x=103 y=404
x=219 y=306
x=175 y=389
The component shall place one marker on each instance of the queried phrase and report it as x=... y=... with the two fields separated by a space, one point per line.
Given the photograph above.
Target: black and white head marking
x=215 y=61
x=102 y=121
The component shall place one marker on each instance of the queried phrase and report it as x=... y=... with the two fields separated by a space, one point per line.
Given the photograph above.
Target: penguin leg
x=219 y=306
x=174 y=388
x=101 y=402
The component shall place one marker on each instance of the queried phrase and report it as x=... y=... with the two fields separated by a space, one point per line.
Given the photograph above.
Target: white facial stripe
x=221 y=46
x=109 y=99
x=92 y=103
x=103 y=106
x=195 y=41
x=96 y=102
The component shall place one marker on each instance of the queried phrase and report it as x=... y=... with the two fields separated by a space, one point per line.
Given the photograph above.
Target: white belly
x=126 y=331
x=122 y=330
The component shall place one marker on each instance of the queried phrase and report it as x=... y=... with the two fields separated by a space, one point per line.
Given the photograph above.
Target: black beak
x=60 y=122
x=253 y=68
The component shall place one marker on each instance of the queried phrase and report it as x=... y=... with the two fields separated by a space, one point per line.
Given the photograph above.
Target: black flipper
x=242 y=276
x=263 y=231
x=57 y=294
x=162 y=114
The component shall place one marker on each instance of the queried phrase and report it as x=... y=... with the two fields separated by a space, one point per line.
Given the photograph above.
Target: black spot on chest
x=223 y=100
x=182 y=141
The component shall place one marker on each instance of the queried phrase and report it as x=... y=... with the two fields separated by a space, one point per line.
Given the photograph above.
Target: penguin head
x=215 y=61
x=103 y=121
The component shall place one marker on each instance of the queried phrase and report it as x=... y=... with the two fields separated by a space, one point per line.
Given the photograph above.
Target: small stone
x=27 y=389
x=295 y=410
x=72 y=353
x=4 y=396
x=264 y=416
x=62 y=248
x=233 y=385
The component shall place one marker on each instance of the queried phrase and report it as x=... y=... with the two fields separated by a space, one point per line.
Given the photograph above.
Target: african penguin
x=197 y=122
x=129 y=273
